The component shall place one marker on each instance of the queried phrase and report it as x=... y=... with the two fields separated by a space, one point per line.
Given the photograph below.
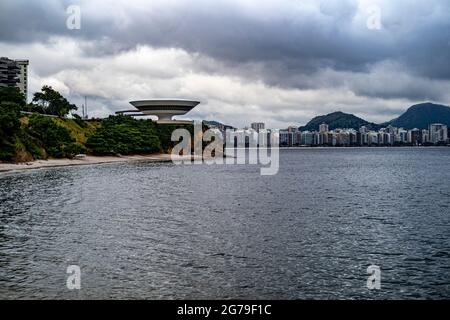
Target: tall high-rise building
x=438 y=133
x=401 y=136
x=286 y=138
x=307 y=138
x=14 y=73
x=23 y=76
x=372 y=137
x=258 y=126
x=9 y=73
x=323 y=128
x=391 y=130
x=363 y=130
x=414 y=136
x=425 y=136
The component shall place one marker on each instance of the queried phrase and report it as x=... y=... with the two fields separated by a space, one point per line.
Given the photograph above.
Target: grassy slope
x=79 y=133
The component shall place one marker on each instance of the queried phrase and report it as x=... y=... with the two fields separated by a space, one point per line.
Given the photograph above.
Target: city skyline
x=14 y=73
x=390 y=136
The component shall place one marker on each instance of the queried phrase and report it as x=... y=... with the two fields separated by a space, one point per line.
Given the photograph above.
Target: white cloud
x=146 y=72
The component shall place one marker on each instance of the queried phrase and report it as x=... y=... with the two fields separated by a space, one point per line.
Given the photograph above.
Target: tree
x=125 y=135
x=9 y=127
x=52 y=102
x=12 y=94
x=56 y=139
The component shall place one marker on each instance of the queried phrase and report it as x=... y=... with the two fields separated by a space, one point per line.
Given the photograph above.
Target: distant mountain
x=421 y=116
x=338 y=120
x=211 y=123
x=216 y=124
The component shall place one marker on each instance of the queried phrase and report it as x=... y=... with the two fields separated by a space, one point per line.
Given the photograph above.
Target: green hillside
x=421 y=116
x=41 y=130
x=337 y=120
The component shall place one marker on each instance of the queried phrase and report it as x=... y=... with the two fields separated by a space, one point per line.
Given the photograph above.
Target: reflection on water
x=156 y=230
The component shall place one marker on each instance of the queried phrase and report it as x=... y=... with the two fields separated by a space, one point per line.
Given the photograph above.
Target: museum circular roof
x=164 y=109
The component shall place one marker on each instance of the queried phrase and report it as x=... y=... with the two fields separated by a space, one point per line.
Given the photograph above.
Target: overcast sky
x=280 y=62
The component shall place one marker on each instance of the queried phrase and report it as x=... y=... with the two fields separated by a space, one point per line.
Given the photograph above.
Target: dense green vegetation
x=338 y=120
x=50 y=101
x=165 y=134
x=125 y=135
x=55 y=139
x=25 y=137
x=11 y=102
x=420 y=116
x=9 y=128
x=12 y=95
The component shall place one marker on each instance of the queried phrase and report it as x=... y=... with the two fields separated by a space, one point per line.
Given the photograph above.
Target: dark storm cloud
x=24 y=21
x=295 y=36
x=317 y=46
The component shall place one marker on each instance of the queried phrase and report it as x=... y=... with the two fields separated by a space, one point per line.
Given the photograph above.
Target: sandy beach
x=5 y=167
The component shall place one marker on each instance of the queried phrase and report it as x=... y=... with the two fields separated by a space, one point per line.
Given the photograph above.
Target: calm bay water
x=160 y=231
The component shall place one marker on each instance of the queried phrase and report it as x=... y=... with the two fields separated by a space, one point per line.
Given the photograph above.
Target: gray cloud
x=296 y=49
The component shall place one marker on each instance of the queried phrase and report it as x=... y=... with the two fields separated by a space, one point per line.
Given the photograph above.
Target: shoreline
x=363 y=147
x=88 y=160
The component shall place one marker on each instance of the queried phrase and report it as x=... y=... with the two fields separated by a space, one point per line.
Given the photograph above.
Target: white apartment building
x=23 y=76
x=257 y=126
x=14 y=73
x=438 y=133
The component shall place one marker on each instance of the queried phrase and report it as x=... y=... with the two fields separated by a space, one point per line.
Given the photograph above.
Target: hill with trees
x=44 y=131
x=420 y=116
x=338 y=120
x=50 y=102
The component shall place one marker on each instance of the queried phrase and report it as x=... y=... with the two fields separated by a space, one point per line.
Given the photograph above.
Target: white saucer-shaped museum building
x=164 y=109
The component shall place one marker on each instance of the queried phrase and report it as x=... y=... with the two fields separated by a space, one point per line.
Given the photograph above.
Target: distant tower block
x=323 y=128
x=23 y=77
x=164 y=109
x=257 y=126
x=14 y=73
